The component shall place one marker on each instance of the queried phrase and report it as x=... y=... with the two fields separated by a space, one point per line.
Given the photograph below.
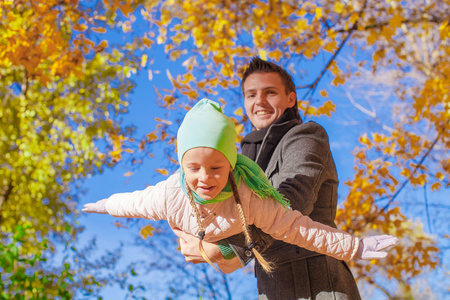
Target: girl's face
x=206 y=171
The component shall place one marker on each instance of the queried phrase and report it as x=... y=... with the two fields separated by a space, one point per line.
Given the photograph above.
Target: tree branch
x=413 y=172
x=313 y=86
x=427 y=208
x=386 y=23
x=5 y=197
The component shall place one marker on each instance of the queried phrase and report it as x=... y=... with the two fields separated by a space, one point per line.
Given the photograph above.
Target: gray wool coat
x=301 y=168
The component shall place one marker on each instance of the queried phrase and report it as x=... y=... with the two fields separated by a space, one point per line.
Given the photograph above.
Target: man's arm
x=306 y=164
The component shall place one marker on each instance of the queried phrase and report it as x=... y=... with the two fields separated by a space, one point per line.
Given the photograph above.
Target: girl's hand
x=97 y=207
x=370 y=247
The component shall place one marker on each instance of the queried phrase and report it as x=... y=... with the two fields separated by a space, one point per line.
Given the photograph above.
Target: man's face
x=265 y=98
x=206 y=171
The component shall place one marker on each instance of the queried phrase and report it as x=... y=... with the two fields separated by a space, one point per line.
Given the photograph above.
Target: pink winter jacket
x=166 y=201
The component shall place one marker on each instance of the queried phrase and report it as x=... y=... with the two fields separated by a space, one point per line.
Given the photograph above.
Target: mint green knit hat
x=206 y=126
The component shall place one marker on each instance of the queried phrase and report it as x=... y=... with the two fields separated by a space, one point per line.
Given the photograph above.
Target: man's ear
x=292 y=99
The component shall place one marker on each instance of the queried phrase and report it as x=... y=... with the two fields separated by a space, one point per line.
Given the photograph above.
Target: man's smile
x=263 y=112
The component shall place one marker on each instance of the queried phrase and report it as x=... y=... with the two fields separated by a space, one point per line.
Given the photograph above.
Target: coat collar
x=259 y=145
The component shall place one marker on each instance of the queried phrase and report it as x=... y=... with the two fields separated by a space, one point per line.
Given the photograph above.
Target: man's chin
x=260 y=124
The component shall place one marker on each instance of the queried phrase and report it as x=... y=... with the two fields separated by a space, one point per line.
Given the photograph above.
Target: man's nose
x=260 y=99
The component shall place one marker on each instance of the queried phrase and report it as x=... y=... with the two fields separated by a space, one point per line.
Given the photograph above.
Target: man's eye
x=216 y=168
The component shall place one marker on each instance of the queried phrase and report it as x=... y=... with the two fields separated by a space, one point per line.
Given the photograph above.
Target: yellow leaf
x=167 y=122
x=405 y=172
x=173 y=160
x=372 y=37
x=331 y=46
x=318 y=12
x=239 y=111
x=128 y=174
x=339 y=7
x=146 y=231
x=396 y=21
x=147 y=42
x=440 y=176
x=151 y=137
x=324 y=93
x=126 y=9
x=188 y=78
x=364 y=139
x=326 y=109
x=436 y=186
x=99 y=29
x=239 y=128
x=80 y=27
x=377 y=138
x=100 y=47
x=162 y=172
x=126 y=26
x=100 y=17
x=276 y=54
x=144 y=59
x=262 y=54
x=338 y=80
x=420 y=180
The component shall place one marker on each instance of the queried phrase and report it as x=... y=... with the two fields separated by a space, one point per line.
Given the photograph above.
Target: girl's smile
x=206 y=171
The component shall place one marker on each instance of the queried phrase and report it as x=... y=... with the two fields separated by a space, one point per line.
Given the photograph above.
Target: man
x=296 y=158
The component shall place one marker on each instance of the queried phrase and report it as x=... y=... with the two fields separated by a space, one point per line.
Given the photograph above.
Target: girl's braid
x=267 y=266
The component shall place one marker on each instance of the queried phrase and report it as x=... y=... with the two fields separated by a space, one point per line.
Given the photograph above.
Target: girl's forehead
x=204 y=155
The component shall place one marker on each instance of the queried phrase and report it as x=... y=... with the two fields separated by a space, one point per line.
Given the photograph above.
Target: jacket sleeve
x=148 y=204
x=305 y=159
x=294 y=228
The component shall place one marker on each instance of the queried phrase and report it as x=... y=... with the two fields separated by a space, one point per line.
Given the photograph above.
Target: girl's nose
x=204 y=175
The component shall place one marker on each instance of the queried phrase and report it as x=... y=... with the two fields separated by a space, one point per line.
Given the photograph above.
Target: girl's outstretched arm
x=294 y=228
x=150 y=203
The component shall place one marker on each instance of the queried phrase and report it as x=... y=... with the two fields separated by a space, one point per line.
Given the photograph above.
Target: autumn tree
x=62 y=95
x=409 y=40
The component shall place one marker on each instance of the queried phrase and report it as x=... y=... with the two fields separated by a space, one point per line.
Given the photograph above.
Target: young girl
x=217 y=193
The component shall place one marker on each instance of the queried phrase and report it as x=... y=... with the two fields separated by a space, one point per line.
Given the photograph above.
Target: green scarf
x=253 y=177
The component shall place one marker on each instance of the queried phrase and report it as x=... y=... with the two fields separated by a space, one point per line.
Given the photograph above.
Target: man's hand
x=370 y=247
x=97 y=207
x=190 y=249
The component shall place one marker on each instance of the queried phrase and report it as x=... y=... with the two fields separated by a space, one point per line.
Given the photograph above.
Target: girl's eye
x=215 y=168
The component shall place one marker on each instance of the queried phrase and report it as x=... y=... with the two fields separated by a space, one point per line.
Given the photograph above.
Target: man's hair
x=257 y=65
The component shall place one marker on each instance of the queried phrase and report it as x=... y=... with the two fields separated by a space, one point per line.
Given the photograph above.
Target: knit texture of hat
x=206 y=126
